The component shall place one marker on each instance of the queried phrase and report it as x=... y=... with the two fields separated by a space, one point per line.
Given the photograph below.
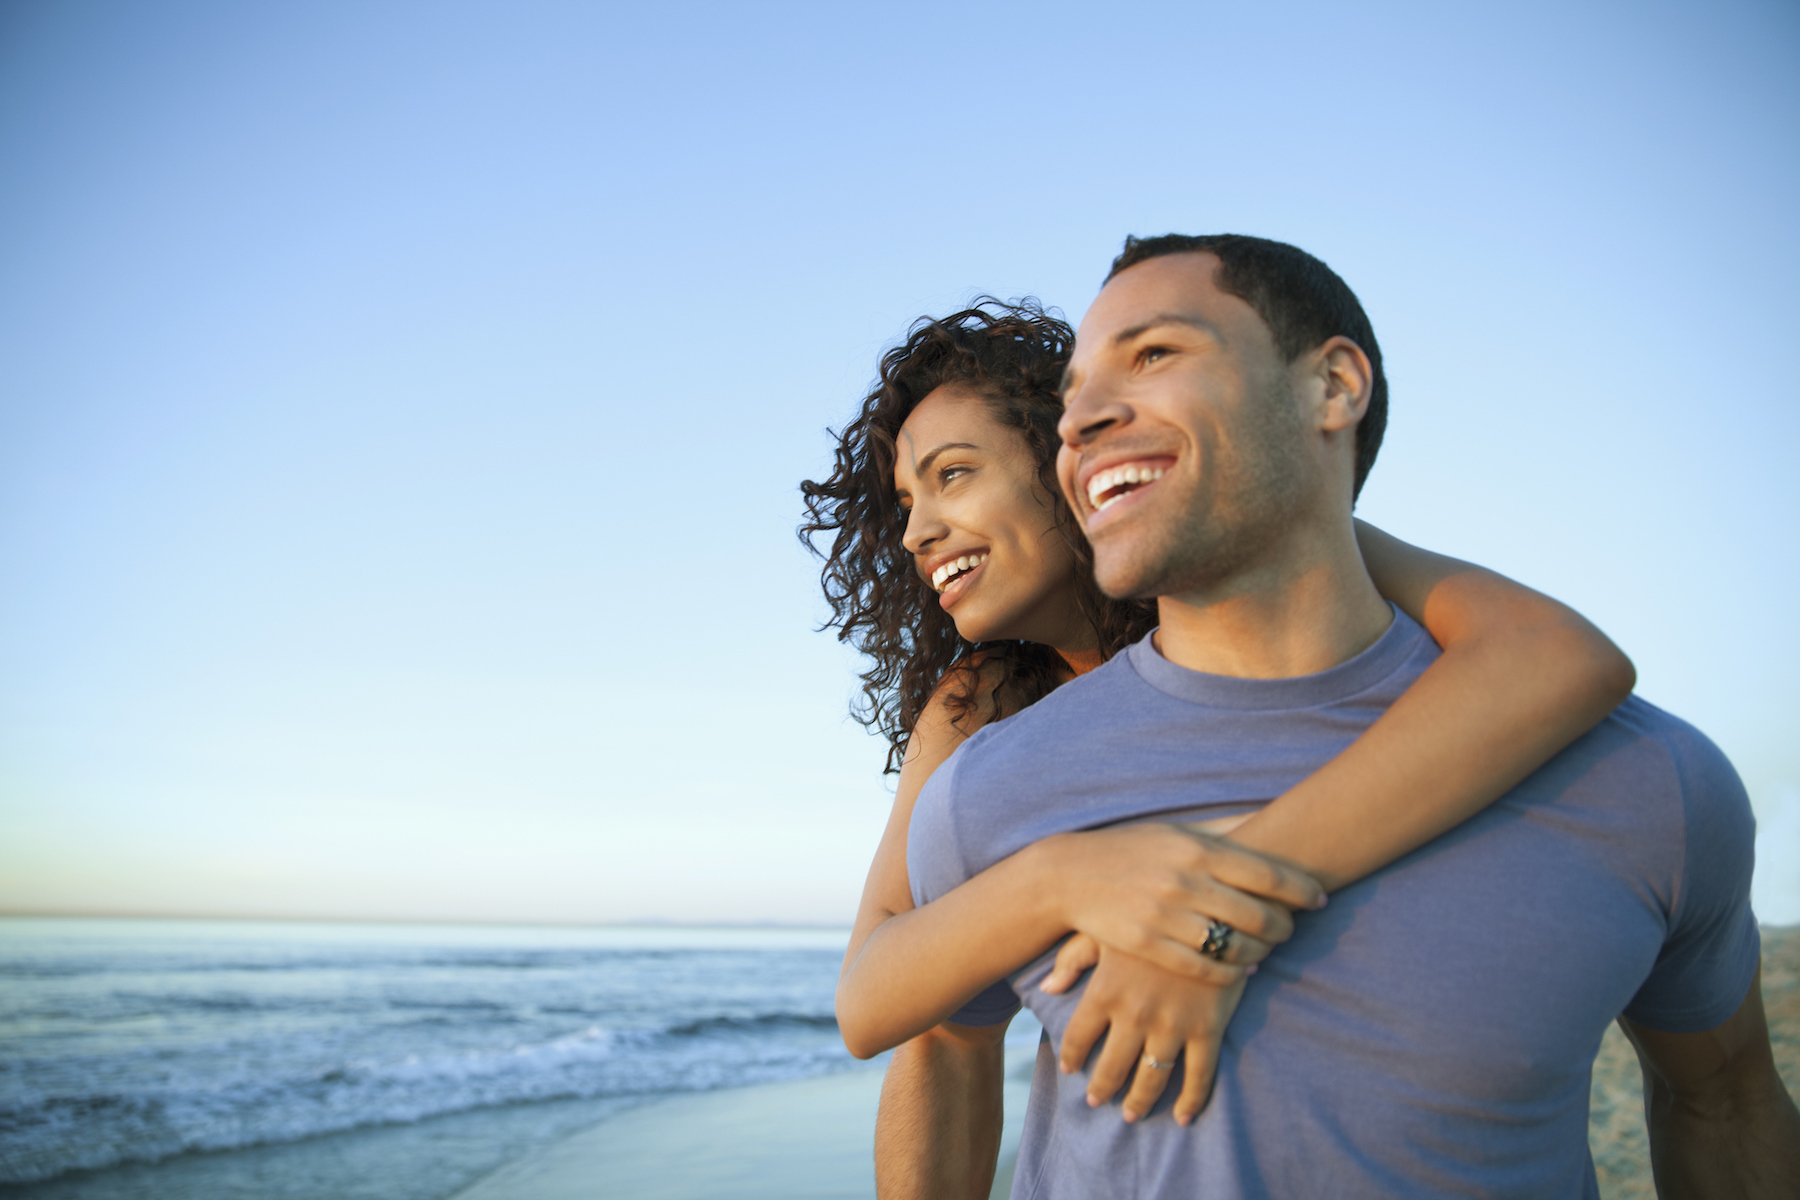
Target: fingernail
x=1320 y=902
x=1182 y=1119
x=1093 y=1102
x=1130 y=1116
x=1250 y=970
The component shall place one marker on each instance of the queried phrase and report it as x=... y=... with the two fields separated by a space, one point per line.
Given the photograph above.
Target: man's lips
x=1107 y=485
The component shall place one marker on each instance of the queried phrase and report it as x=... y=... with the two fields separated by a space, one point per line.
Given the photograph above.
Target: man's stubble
x=1249 y=495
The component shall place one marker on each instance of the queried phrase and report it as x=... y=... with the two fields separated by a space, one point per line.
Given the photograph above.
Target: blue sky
x=401 y=405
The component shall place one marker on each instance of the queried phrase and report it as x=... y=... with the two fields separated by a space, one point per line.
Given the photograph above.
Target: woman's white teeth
x=950 y=570
x=1119 y=481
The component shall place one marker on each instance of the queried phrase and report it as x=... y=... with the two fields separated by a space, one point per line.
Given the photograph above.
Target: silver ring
x=1218 y=941
x=1156 y=1064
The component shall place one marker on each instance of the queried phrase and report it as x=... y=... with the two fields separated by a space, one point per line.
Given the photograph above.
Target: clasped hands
x=1141 y=898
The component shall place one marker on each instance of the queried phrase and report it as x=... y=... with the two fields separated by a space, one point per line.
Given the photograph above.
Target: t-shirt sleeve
x=935 y=865
x=1710 y=956
x=995 y=1005
x=934 y=860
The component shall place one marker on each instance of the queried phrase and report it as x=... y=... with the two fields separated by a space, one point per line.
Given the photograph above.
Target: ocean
x=221 y=1060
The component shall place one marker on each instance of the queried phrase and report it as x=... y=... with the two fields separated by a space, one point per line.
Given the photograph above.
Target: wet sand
x=814 y=1140
x=808 y=1140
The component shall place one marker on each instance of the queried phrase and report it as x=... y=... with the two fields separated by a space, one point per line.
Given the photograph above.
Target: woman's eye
x=949 y=473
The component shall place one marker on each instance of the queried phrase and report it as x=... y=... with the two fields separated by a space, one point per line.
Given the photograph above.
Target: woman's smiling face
x=981 y=528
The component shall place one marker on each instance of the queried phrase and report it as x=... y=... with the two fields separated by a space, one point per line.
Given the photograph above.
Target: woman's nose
x=924 y=528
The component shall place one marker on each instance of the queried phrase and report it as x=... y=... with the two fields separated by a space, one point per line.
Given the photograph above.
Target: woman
x=957 y=568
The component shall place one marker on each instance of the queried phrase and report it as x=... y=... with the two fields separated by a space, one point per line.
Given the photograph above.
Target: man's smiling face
x=1184 y=441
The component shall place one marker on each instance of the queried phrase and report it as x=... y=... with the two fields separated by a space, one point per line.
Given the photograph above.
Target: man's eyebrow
x=1143 y=327
x=1168 y=318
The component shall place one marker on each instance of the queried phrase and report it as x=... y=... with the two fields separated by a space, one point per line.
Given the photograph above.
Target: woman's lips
x=946 y=571
x=953 y=590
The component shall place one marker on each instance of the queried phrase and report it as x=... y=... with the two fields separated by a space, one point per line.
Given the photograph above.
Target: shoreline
x=809 y=1139
x=814 y=1139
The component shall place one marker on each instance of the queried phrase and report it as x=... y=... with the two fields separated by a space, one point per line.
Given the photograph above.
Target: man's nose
x=1093 y=408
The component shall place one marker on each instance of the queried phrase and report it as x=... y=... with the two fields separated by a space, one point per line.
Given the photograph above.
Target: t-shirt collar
x=1389 y=653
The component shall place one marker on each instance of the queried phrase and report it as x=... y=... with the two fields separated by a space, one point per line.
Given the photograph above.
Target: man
x=1431 y=1032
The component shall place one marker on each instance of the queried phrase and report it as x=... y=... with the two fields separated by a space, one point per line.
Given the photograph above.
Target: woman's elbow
x=1622 y=677
x=1603 y=674
x=859 y=1044
x=858 y=1037
x=1614 y=674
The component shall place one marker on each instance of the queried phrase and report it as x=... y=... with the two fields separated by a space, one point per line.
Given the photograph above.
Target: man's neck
x=1306 y=607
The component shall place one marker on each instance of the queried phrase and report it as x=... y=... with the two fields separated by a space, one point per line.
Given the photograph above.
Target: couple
x=1153 y=692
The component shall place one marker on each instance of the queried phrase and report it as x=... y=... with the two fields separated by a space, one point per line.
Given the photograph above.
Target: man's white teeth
x=950 y=570
x=1118 y=477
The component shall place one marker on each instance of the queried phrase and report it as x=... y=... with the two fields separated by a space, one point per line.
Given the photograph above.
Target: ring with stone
x=1218 y=941
x=1157 y=1064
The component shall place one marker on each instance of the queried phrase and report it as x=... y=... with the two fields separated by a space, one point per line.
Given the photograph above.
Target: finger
x=1077 y=955
x=1200 y=1063
x=1270 y=878
x=1154 y=1070
x=1124 y=1046
x=1219 y=902
x=1185 y=959
x=1084 y=1029
x=1245 y=950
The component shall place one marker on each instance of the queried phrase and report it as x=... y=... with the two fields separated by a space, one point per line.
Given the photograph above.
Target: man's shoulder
x=987 y=798
x=1689 y=760
x=1083 y=708
x=1668 y=795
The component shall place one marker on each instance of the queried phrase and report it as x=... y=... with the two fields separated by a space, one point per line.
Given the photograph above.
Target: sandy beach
x=813 y=1139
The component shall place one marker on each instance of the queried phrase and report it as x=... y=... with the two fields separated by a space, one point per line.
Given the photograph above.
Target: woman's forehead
x=949 y=414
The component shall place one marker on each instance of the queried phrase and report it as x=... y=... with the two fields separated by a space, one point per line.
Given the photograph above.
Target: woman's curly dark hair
x=1012 y=355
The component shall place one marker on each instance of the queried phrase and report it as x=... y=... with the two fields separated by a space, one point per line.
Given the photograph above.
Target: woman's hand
x=1153 y=890
x=1145 y=1013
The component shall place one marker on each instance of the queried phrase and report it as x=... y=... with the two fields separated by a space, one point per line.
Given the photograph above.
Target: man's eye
x=1150 y=354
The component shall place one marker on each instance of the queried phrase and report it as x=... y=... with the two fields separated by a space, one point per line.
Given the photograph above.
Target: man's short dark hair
x=1300 y=299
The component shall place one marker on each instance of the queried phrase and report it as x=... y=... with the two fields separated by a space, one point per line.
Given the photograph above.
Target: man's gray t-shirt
x=1431 y=1031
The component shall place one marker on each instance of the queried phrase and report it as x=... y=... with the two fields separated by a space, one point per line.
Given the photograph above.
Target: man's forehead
x=1168 y=283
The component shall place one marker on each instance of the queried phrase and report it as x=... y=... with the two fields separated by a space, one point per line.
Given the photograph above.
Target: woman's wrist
x=1044 y=881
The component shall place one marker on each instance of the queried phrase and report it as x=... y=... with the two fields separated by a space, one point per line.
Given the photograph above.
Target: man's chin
x=1127 y=576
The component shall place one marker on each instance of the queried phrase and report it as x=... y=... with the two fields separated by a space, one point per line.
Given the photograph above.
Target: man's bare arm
x=1721 y=1123
x=937 y=1136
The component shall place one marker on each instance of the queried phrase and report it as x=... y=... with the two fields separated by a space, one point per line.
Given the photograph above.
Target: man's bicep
x=1717 y=1062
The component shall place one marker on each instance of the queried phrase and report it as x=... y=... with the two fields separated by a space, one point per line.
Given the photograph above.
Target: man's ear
x=1349 y=379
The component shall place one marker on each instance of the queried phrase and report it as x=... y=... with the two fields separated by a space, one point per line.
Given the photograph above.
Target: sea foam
x=134 y=1046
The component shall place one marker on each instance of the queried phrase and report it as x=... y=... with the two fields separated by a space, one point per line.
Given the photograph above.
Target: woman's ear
x=1349 y=379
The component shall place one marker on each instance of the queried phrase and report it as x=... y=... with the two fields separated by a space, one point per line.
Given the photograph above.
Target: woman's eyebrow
x=924 y=464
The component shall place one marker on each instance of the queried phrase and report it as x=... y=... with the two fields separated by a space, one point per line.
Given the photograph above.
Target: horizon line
x=293 y=918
